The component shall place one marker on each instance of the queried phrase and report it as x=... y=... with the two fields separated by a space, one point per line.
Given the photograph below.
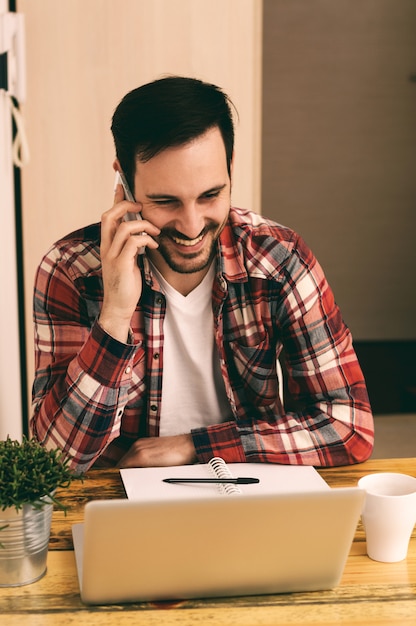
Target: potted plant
x=29 y=477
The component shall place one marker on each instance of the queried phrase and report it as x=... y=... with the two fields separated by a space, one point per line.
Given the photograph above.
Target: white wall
x=83 y=56
x=10 y=386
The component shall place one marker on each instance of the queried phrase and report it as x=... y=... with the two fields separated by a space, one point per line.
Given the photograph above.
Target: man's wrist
x=117 y=329
x=105 y=359
x=189 y=449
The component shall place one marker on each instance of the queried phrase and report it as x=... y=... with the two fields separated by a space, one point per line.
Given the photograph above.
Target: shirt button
x=159 y=300
x=128 y=369
x=153 y=407
x=156 y=355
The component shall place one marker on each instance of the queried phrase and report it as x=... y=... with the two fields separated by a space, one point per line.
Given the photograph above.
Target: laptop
x=130 y=551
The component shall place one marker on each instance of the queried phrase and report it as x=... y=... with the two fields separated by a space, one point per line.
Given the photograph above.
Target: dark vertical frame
x=20 y=281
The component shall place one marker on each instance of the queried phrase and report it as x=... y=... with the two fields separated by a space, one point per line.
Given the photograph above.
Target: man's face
x=186 y=192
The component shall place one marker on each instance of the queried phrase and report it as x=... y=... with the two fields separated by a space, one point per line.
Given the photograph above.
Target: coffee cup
x=389 y=514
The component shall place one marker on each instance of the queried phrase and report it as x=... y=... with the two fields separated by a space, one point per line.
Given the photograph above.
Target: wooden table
x=369 y=593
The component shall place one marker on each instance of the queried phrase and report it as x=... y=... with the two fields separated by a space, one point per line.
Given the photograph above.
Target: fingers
x=121 y=242
x=116 y=231
x=133 y=235
x=128 y=242
x=160 y=451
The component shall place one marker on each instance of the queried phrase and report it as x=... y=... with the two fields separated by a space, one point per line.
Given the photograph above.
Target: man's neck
x=183 y=283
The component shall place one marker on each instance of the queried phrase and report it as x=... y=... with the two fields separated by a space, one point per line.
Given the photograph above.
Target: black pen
x=216 y=481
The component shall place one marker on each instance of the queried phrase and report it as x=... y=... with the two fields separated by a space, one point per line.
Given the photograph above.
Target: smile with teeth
x=188 y=242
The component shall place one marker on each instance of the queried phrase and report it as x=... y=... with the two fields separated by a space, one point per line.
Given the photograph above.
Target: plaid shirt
x=94 y=396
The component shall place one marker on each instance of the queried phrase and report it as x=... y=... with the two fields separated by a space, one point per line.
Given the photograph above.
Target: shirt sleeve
x=82 y=375
x=332 y=424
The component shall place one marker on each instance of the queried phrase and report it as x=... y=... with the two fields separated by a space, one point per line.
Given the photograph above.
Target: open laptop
x=130 y=551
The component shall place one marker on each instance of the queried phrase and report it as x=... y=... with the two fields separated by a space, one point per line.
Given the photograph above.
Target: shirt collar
x=230 y=257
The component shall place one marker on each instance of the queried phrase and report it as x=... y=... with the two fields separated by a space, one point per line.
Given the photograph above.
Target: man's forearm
x=80 y=411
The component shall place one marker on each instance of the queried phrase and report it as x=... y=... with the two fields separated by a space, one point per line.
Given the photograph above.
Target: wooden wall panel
x=82 y=57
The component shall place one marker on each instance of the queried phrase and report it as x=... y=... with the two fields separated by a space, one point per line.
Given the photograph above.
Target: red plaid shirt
x=94 y=396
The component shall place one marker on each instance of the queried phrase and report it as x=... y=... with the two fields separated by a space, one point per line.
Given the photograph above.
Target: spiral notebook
x=146 y=483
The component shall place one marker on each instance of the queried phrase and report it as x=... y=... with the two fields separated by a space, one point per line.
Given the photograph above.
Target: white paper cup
x=389 y=514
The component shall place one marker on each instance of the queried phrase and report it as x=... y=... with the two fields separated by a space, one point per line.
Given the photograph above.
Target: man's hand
x=160 y=452
x=122 y=281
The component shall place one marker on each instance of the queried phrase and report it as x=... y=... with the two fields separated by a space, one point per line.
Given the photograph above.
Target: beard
x=184 y=261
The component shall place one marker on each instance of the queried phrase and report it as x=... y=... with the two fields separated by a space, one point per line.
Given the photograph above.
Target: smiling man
x=168 y=357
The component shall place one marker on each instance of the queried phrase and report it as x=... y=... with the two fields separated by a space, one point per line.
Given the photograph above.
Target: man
x=169 y=357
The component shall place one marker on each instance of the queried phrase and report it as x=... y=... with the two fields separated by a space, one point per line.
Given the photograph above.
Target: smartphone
x=120 y=178
x=129 y=217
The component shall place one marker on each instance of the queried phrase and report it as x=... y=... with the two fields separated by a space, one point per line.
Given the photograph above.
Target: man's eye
x=164 y=201
x=211 y=194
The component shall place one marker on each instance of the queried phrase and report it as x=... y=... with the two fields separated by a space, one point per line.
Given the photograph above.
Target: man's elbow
x=359 y=445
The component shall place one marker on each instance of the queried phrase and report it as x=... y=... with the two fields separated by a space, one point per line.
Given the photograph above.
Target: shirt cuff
x=107 y=360
x=220 y=440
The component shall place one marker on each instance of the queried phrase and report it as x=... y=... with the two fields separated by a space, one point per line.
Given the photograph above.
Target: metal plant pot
x=24 y=539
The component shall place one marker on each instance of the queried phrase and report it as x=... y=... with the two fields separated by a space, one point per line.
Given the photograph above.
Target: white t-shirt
x=193 y=392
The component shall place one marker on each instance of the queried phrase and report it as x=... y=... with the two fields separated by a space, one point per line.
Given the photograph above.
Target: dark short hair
x=167 y=112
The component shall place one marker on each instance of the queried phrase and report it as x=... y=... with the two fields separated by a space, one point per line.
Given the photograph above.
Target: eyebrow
x=167 y=196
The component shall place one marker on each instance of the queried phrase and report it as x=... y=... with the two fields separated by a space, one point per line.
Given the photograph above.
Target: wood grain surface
x=369 y=592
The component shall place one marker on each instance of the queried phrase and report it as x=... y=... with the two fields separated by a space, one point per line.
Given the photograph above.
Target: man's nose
x=190 y=220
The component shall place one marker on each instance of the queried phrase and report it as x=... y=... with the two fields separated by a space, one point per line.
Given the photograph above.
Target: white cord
x=20 y=152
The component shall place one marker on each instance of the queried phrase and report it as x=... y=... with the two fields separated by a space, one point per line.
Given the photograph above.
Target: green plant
x=30 y=474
